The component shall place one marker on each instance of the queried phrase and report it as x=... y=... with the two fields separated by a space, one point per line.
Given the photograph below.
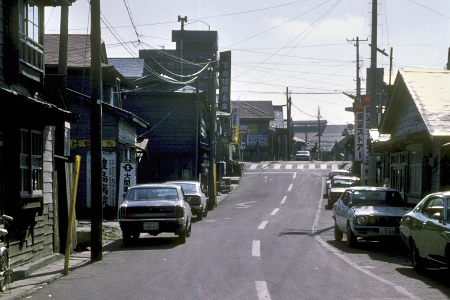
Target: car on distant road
x=425 y=230
x=195 y=196
x=332 y=174
x=370 y=213
x=303 y=155
x=155 y=208
x=338 y=185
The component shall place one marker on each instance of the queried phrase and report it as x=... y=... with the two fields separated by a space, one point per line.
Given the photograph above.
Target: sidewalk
x=32 y=277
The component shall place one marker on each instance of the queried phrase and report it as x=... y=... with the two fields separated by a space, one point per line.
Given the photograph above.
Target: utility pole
x=358 y=78
x=371 y=166
x=212 y=139
x=182 y=20
x=96 y=134
x=288 y=105
x=319 y=153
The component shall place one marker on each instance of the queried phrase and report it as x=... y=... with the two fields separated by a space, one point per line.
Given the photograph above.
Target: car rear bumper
x=164 y=225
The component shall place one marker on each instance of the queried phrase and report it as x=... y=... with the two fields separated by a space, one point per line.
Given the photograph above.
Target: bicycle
x=5 y=270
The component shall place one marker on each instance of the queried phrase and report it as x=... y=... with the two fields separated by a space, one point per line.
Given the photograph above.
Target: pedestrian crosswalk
x=294 y=166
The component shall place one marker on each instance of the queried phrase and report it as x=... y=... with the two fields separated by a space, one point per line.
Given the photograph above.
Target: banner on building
x=366 y=110
x=109 y=162
x=225 y=81
x=127 y=178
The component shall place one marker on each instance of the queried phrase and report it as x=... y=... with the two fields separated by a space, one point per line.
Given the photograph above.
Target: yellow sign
x=235 y=135
x=87 y=143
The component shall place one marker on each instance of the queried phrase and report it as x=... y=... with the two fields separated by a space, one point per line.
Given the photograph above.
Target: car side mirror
x=436 y=216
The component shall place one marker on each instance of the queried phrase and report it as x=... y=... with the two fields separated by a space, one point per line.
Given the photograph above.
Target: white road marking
x=288 y=166
x=294 y=176
x=262 y=290
x=342 y=256
x=256 y=252
x=311 y=166
x=277 y=166
x=274 y=211
x=253 y=166
x=283 y=200
x=245 y=204
x=263 y=224
x=323 y=166
x=300 y=166
x=290 y=187
x=264 y=166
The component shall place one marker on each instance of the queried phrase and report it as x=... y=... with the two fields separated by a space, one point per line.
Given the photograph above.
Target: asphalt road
x=271 y=238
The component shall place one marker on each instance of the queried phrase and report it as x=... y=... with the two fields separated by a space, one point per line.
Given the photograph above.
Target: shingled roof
x=78 y=50
x=256 y=110
x=430 y=91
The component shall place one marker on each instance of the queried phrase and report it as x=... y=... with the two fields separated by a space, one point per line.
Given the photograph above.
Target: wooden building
x=34 y=126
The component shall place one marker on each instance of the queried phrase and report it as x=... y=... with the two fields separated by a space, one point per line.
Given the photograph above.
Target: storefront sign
x=225 y=81
x=108 y=179
x=127 y=178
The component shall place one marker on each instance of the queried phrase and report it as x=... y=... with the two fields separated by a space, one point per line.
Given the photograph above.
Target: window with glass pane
x=29 y=19
x=31 y=161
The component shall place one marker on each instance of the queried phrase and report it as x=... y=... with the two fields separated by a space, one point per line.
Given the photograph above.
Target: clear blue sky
x=302 y=45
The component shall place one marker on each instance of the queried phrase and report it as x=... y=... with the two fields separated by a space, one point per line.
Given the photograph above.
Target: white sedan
x=368 y=213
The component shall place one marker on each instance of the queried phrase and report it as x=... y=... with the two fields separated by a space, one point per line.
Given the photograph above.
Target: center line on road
x=283 y=200
x=262 y=290
x=274 y=211
x=290 y=187
x=256 y=252
x=263 y=224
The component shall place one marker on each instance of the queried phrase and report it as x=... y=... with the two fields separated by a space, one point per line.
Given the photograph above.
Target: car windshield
x=187 y=187
x=345 y=182
x=149 y=194
x=377 y=198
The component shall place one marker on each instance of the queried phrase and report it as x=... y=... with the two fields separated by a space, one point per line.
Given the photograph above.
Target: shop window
x=31 y=163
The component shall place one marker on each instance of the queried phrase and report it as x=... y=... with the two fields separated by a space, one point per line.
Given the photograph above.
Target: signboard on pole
x=127 y=178
x=235 y=122
x=225 y=81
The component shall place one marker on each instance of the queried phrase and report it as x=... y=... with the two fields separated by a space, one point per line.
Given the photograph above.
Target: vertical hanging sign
x=235 y=126
x=359 y=131
x=366 y=112
x=127 y=178
x=225 y=81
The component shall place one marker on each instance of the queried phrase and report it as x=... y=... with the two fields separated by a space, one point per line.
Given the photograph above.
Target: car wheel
x=136 y=235
x=351 y=237
x=417 y=261
x=184 y=234
x=338 y=235
x=200 y=214
x=126 y=237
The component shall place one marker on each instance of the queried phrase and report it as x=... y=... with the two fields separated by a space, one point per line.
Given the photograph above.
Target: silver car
x=155 y=208
x=368 y=213
x=195 y=196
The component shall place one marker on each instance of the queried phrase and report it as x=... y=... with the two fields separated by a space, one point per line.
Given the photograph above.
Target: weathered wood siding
x=408 y=120
x=37 y=242
x=172 y=118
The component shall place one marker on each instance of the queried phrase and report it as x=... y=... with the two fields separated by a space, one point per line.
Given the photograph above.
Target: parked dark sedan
x=426 y=231
x=195 y=196
x=368 y=213
x=155 y=208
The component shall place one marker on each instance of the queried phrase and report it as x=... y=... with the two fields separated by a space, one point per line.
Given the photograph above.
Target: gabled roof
x=256 y=110
x=78 y=50
x=131 y=68
x=430 y=91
